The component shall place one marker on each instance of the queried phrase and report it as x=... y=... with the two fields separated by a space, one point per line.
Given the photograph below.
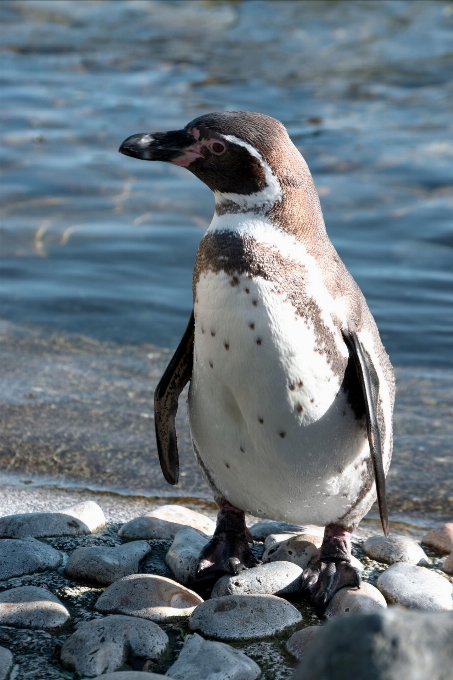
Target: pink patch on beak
x=190 y=154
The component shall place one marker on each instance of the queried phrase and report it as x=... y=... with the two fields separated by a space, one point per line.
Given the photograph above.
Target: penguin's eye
x=217 y=148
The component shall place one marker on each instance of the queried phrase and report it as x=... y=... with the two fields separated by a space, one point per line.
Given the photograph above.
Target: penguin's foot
x=330 y=568
x=228 y=551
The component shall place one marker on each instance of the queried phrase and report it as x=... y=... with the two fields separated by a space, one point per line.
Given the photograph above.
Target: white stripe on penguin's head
x=261 y=200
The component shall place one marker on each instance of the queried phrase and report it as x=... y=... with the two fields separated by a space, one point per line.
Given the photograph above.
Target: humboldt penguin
x=291 y=390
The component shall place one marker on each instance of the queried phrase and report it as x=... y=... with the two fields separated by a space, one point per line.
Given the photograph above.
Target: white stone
x=295 y=549
x=132 y=675
x=6 y=663
x=440 y=538
x=415 y=587
x=26 y=556
x=202 y=659
x=275 y=539
x=183 y=556
x=164 y=523
x=367 y=598
x=275 y=578
x=102 y=565
x=77 y=520
x=447 y=565
x=301 y=640
x=395 y=549
x=103 y=645
x=32 y=607
x=262 y=529
x=244 y=617
x=150 y=597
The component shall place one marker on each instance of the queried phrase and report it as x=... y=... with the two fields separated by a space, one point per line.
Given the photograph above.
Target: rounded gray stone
x=26 y=556
x=395 y=549
x=261 y=530
x=367 y=598
x=77 y=520
x=164 y=523
x=183 y=556
x=447 y=565
x=102 y=566
x=440 y=538
x=244 y=617
x=104 y=645
x=6 y=663
x=301 y=640
x=295 y=549
x=275 y=578
x=32 y=607
x=205 y=659
x=415 y=587
x=132 y=675
x=150 y=597
x=389 y=644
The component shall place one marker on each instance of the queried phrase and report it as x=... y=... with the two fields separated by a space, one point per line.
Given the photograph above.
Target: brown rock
x=164 y=523
x=367 y=598
x=440 y=538
x=447 y=565
x=301 y=640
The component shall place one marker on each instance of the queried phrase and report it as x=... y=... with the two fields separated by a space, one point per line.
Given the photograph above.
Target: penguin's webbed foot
x=228 y=551
x=330 y=569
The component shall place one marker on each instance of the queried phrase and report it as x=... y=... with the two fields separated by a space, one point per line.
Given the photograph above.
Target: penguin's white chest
x=274 y=430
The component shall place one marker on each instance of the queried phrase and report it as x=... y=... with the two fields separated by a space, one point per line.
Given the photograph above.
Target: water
x=97 y=249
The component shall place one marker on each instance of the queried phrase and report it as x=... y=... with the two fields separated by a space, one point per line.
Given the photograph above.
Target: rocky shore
x=82 y=596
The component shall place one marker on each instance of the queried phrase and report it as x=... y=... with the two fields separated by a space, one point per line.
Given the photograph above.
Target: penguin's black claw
x=323 y=579
x=226 y=553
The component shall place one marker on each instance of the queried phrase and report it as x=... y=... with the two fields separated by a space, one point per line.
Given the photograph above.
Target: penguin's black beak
x=170 y=147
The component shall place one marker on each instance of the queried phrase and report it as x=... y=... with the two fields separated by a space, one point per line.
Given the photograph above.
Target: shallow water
x=98 y=244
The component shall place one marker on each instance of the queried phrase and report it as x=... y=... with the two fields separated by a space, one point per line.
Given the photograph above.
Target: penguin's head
x=235 y=153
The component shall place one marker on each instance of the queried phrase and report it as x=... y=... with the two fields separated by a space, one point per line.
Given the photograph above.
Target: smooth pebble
x=300 y=641
x=209 y=660
x=367 y=598
x=164 y=523
x=262 y=529
x=275 y=578
x=183 y=556
x=150 y=597
x=26 y=556
x=32 y=607
x=415 y=587
x=77 y=520
x=102 y=565
x=104 y=645
x=132 y=675
x=447 y=565
x=244 y=617
x=395 y=549
x=295 y=549
x=440 y=538
x=389 y=644
x=6 y=662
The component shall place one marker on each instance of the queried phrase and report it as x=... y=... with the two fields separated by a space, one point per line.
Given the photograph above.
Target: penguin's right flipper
x=370 y=385
x=172 y=383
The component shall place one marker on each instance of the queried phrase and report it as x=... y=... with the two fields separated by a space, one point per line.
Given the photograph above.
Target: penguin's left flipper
x=172 y=383
x=370 y=385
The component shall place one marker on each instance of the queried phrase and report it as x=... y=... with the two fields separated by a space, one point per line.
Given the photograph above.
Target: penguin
x=291 y=390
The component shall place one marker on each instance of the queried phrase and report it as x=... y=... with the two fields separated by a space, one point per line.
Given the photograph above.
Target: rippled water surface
x=96 y=244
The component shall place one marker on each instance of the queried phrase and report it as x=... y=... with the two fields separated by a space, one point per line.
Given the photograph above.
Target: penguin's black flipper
x=172 y=383
x=370 y=386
